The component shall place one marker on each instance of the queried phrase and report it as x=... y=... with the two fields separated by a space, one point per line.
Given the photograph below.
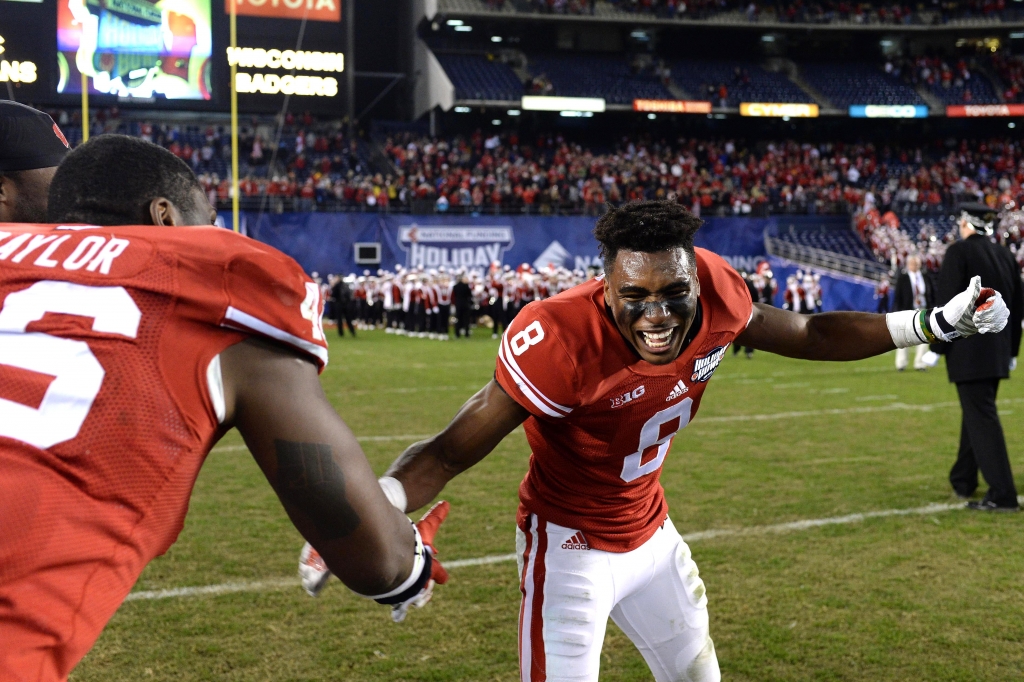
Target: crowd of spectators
x=1010 y=69
x=554 y=175
x=315 y=167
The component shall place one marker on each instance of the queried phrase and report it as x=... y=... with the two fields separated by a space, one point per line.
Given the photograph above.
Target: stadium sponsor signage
x=292 y=60
x=15 y=71
x=776 y=110
x=980 y=110
x=314 y=10
x=888 y=111
x=671 y=106
x=541 y=103
x=468 y=246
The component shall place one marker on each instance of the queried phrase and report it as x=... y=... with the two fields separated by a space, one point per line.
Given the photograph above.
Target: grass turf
x=922 y=597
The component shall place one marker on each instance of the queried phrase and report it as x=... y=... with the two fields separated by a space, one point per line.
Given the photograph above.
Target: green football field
x=930 y=593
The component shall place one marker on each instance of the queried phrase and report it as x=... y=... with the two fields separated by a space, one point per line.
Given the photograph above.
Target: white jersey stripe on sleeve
x=523 y=386
x=510 y=362
x=235 y=318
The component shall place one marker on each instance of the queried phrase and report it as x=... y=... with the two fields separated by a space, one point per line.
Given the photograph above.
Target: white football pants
x=654 y=594
x=902 y=359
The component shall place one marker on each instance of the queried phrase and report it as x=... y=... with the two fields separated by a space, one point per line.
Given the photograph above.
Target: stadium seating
x=743 y=82
x=848 y=83
x=844 y=242
x=481 y=77
x=597 y=75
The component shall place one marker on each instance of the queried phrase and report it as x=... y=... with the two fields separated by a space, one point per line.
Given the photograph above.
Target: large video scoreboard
x=174 y=53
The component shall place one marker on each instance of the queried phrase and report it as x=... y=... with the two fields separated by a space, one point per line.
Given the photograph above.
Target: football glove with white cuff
x=418 y=588
x=975 y=310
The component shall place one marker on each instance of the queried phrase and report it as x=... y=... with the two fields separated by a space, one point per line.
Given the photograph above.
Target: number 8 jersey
x=602 y=419
x=110 y=401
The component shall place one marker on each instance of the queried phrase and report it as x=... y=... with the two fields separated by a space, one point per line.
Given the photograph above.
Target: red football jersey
x=109 y=403
x=602 y=418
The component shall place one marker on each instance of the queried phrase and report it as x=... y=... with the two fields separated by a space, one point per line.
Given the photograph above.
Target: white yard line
x=805 y=524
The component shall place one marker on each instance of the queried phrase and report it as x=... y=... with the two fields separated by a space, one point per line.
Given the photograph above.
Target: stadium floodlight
x=462 y=110
x=463 y=29
x=513 y=112
x=495 y=121
x=495 y=39
x=541 y=103
x=455 y=22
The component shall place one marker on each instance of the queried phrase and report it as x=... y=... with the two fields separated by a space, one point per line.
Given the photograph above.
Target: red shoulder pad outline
x=270 y=295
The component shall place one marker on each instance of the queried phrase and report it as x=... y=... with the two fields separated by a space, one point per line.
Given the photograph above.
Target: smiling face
x=653 y=300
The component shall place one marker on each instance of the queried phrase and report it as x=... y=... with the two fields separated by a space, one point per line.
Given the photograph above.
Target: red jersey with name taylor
x=109 y=405
x=602 y=418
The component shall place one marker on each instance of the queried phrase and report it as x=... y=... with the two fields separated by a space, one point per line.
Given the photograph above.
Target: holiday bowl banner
x=324 y=242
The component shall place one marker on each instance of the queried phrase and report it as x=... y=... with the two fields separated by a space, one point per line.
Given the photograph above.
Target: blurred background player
x=602 y=378
x=135 y=349
x=914 y=291
x=978 y=364
x=31 y=148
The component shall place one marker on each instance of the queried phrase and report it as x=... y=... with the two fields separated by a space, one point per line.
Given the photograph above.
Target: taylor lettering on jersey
x=598 y=432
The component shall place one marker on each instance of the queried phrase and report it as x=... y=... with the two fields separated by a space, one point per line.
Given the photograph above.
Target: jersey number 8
x=633 y=467
x=531 y=336
x=77 y=374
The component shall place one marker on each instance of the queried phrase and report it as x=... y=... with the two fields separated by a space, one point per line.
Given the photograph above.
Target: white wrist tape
x=905 y=328
x=394 y=491
x=417 y=568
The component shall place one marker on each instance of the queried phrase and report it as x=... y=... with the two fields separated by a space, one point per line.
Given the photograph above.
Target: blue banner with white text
x=325 y=242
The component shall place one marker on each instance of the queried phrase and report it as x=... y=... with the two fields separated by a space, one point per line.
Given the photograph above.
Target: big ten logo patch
x=628 y=397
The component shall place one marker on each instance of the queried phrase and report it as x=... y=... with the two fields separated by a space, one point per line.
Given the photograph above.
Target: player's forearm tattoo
x=309 y=478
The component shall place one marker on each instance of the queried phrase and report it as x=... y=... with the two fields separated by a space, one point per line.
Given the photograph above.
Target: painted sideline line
x=805 y=524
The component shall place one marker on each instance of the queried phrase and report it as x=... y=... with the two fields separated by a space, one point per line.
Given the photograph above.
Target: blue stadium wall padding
x=324 y=242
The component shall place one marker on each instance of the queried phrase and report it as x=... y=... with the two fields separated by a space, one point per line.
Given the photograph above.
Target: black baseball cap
x=29 y=138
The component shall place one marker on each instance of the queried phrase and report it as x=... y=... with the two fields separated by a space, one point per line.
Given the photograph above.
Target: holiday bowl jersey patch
x=705 y=366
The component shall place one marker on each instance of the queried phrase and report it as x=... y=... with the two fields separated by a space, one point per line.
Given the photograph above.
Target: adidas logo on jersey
x=577 y=541
x=705 y=366
x=677 y=390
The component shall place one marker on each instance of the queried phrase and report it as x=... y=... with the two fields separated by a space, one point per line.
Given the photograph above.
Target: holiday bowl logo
x=464 y=246
x=705 y=366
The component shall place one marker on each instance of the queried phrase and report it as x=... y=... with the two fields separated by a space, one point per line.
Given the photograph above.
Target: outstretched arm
x=855 y=336
x=316 y=467
x=827 y=336
x=482 y=422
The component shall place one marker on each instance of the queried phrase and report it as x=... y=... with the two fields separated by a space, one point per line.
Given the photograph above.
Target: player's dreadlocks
x=111 y=179
x=646 y=226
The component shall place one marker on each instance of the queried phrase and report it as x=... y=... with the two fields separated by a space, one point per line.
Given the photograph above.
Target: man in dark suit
x=978 y=363
x=914 y=291
x=462 y=296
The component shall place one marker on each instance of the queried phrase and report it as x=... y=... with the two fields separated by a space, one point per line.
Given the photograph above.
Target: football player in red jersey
x=603 y=376
x=126 y=352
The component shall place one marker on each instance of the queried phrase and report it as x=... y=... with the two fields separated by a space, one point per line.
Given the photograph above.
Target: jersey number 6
x=77 y=375
x=651 y=436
